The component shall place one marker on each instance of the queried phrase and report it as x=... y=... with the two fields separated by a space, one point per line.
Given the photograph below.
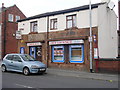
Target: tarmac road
x=18 y=80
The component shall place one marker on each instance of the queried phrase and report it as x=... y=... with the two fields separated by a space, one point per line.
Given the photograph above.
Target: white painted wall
x=82 y=21
x=24 y=25
x=107 y=33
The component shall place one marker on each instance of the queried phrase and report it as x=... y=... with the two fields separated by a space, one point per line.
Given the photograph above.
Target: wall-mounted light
x=13 y=35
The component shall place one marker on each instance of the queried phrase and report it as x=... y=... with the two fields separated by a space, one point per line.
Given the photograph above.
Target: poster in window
x=22 y=50
x=95 y=53
x=58 y=53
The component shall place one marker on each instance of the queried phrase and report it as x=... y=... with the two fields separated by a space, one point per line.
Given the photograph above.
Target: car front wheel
x=26 y=71
x=3 y=67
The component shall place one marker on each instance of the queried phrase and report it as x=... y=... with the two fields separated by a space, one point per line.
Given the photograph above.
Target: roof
x=85 y=7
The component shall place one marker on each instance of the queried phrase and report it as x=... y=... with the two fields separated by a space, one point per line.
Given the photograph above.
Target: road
x=18 y=80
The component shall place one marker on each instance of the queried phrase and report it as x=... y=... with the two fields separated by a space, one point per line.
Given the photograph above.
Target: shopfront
x=67 y=51
x=35 y=50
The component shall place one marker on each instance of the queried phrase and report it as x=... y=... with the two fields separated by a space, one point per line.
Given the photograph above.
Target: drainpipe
x=4 y=34
x=47 y=49
x=3 y=31
x=0 y=41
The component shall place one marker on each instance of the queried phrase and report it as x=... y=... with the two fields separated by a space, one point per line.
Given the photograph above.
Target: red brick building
x=60 y=39
x=9 y=26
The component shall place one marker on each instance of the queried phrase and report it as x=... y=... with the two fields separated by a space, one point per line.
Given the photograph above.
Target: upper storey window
x=17 y=18
x=71 y=21
x=34 y=26
x=10 y=17
x=53 y=24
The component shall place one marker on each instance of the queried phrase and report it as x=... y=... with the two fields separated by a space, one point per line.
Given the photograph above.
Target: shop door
x=39 y=53
x=33 y=52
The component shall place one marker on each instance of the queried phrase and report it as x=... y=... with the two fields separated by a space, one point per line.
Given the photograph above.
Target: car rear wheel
x=3 y=67
x=26 y=71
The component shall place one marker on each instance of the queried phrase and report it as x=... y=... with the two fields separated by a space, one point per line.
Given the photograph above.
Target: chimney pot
x=2 y=4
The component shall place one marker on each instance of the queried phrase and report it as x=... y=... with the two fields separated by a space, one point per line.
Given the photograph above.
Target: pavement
x=83 y=74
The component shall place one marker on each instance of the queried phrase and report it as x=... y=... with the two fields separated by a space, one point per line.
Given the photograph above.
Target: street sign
x=90 y=39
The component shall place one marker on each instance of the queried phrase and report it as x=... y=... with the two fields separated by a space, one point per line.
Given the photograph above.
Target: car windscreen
x=27 y=58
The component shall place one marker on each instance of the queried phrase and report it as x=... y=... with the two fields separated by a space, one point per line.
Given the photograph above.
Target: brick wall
x=109 y=65
x=82 y=33
x=60 y=35
x=9 y=42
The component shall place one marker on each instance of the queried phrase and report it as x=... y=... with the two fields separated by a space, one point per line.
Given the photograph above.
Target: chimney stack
x=2 y=5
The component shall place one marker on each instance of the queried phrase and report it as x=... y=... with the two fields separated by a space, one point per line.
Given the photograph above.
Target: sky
x=34 y=7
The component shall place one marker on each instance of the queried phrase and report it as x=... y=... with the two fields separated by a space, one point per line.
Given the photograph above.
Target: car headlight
x=34 y=66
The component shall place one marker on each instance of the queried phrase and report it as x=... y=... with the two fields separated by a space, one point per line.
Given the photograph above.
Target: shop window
x=58 y=53
x=22 y=50
x=76 y=53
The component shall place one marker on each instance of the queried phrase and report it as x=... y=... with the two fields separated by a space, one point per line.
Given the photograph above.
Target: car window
x=9 y=57
x=27 y=58
x=16 y=58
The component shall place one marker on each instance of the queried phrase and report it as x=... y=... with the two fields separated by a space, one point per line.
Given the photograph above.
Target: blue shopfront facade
x=70 y=51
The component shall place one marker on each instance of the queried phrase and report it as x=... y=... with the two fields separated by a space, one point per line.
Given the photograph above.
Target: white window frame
x=53 y=24
x=10 y=17
x=34 y=26
x=17 y=18
x=71 y=21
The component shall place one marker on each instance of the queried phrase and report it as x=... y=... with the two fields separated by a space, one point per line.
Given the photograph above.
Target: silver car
x=22 y=63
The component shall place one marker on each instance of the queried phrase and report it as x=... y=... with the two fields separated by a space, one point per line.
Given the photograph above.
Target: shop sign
x=34 y=44
x=66 y=42
x=18 y=35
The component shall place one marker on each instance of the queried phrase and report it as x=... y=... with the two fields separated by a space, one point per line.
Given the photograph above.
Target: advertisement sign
x=58 y=54
x=34 y=44
x=66 y=42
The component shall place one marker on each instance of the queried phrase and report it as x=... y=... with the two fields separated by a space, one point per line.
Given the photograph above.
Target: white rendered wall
x=82 y=21
x=107 y=33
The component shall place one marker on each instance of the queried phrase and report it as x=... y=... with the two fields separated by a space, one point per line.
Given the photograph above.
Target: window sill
x=33 y=33
x=53 y=28
x=73 y=28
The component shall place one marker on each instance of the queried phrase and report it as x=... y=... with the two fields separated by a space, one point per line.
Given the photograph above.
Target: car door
x=17 y=63
x=8 y=61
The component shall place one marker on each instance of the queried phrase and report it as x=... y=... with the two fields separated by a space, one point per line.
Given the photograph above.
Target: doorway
x=36 y=52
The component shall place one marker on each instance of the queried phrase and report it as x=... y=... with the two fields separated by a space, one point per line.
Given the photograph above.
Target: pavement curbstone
x=81 y=74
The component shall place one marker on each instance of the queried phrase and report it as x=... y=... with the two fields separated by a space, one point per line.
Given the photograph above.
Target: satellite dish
x=111 y=5
x=107 y=1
